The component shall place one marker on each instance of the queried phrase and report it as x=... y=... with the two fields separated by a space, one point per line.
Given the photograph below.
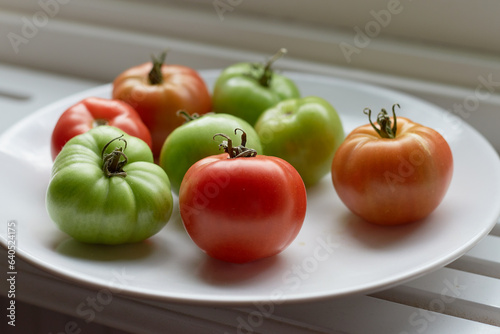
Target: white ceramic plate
x=334 y=255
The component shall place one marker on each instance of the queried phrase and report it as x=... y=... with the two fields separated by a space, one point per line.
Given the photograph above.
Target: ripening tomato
x=157 y=91
x=392 y=175
x=239 y=206
x=95 y=111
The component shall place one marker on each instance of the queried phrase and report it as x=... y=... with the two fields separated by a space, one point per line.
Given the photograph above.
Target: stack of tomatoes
x=118 y=161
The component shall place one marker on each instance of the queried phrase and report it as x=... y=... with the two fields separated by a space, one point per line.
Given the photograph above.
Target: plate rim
x=381 y=284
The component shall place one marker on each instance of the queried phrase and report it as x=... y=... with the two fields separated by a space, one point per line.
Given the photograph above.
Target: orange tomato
x=157 y=91
x=395 y=175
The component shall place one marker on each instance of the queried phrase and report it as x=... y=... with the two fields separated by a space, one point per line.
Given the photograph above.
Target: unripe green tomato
x=305 y=132
x=246 y=90
x=194 y=140
x=107 y=190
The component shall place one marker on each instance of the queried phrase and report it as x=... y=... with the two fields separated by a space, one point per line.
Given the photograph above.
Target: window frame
x=335 y=33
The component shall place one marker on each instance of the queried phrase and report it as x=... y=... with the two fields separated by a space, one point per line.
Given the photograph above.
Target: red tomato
x=395 y=175
x=240 y=209
x=157 y=91
x=95 y=111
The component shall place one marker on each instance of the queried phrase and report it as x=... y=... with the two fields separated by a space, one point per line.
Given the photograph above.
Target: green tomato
x=194 y=140
x=105 y=189
x=305 y=132
x=247 y=89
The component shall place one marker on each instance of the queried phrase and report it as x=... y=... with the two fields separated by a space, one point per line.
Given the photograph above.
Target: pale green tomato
x=306 y=132
x=194 y=141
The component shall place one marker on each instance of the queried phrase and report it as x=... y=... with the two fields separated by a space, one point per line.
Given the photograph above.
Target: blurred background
x=415 y=46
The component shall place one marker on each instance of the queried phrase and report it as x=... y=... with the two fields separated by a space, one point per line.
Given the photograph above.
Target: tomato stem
x=239 y=151
x=267 y=73
x=98 y=122
x=155 y=76
x=112 y=162
x=188 y=118
x=383 y=119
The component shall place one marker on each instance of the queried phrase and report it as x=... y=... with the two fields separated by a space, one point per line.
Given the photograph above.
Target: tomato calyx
x=264 y=78
x=383 y=119
x=112 y=163
x=155 y=76
x=239 y=151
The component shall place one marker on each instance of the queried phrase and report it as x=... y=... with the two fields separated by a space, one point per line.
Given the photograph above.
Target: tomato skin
x=393 y=181
x=91 y=207
x=95 y=111
x=157 y=104
x=243 y=209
